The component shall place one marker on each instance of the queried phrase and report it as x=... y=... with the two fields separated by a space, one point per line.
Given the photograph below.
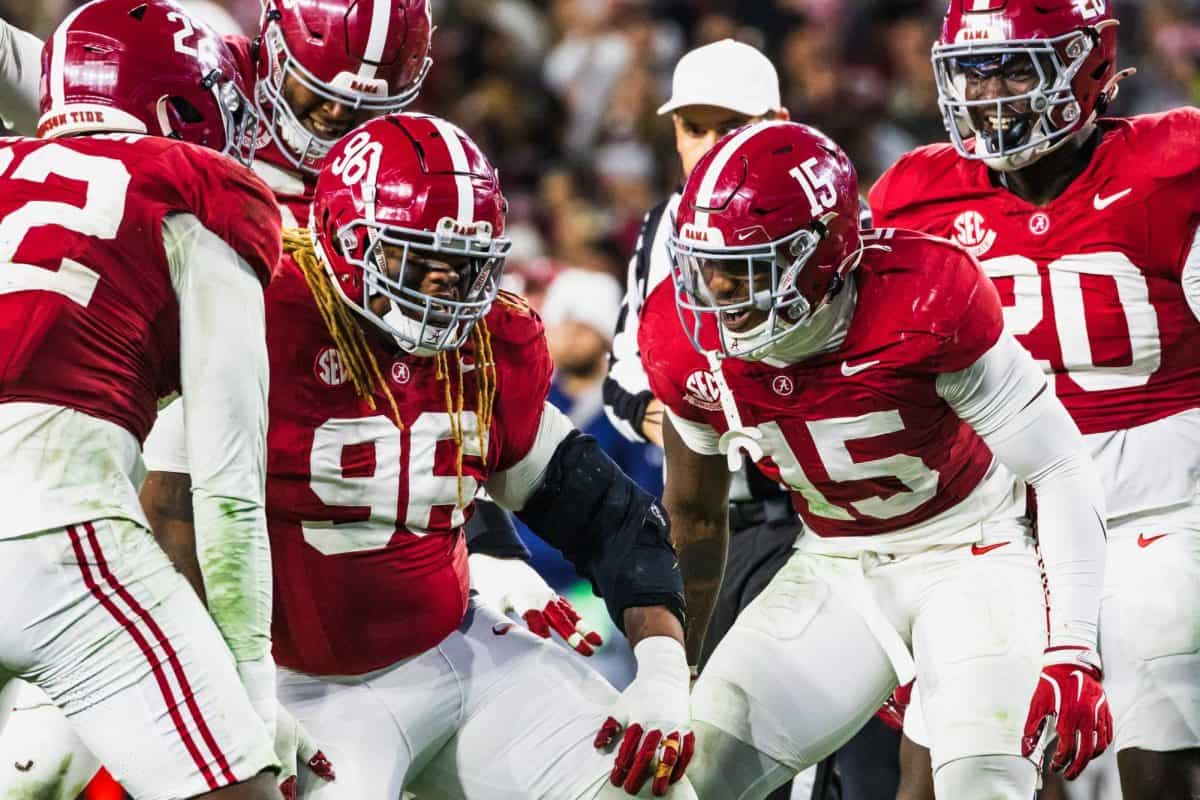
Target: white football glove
x=510 y=584
x=655 y=714
x=294 y=748
x=305 y=767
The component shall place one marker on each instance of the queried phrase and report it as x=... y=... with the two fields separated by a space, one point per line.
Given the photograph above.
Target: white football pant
x=814 y=656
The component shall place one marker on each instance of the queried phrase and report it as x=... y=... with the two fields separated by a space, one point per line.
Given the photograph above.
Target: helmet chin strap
x=1018 y=161
x=400 y=321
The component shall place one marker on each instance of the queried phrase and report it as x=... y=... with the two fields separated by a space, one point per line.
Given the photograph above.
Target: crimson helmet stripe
x=715 y=167
x=381 y=12
x=461 y=165
x=59 y=54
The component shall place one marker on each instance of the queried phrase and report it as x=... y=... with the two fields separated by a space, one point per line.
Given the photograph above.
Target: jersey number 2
x=106 y=181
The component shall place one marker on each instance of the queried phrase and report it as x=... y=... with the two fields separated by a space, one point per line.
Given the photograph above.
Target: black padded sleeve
x=490 y=532
x=613 y=531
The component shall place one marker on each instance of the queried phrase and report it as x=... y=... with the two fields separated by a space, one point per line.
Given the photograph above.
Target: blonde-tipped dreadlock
x=364 y=370
x=485 y=393
x=347 y=335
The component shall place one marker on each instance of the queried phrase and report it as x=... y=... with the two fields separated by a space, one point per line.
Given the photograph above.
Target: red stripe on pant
x=156 y=666
x=172 y=658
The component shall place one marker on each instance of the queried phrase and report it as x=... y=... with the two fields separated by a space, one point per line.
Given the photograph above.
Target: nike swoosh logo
x=978 y=550
x=1101 y=203
x=744 y=235
x=501 y=628
x=848 y=370
x=1146 y=541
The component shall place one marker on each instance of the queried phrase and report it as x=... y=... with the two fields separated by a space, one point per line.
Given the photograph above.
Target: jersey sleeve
x=1175 y=197
x=165 y=449
x=524 y=369
x=975 y=318
x=900 y=198
x=229 y=200
x=700 y=437
x=666 y=353
x=882 y=197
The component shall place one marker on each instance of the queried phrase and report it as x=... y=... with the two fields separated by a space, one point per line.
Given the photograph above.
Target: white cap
x=726 y=74
x=583 y=295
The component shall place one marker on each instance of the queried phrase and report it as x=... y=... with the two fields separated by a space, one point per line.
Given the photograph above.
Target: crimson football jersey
x=1090 y=281
x=88 y=317
x=365 y=522
x=858 y=433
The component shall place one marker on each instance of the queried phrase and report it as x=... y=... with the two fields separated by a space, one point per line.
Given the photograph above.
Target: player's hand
x=655 y=715
x=510 y=584
x=894 y=708
x=305 y=767
x=1069 y=691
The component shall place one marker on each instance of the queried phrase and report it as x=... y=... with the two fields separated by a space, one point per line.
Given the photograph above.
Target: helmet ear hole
x=186 y=111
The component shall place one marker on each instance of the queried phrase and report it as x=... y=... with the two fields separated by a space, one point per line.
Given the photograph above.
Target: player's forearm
x=609 y=528
x=167 y=500
x=642 y=622
x=697 y=500
x=223 y=371
x=1071 y=537
x=1008 y=402
x=235 y=563
x=702 y=545
x=1049 y=453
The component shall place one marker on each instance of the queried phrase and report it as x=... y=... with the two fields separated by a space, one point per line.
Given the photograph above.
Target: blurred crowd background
x=562 y=95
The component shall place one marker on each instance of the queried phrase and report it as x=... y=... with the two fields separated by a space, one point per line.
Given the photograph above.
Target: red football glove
x=510 y=584
x=1069 y=690
x=654 y=712
x=893 y=709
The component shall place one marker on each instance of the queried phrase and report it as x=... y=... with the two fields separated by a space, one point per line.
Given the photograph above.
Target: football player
x=131 y=269
x=1087 y=226
x=717 y=88
x=401 y=384
x=316 y=71
x=869 y=372
x=320 y=69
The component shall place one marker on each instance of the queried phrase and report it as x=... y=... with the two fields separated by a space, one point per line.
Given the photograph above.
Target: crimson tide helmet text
x=398 y=196
x=1054 y=59
x=144 y=66
x=774 y=208
x=370 y=56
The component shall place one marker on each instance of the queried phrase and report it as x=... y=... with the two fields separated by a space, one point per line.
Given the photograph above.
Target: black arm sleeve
x=613 y=532
x=490 y=532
